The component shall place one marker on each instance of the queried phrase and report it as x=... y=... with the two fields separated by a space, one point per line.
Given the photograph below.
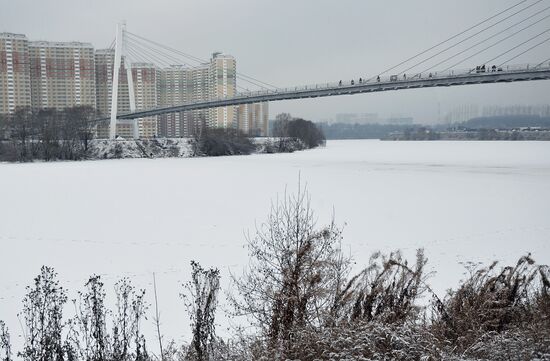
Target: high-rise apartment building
x=15 y=83
x=253 y=119
x=62 y=74
x=173 y=90
x=146 y=91
x=223 y=84
x=199 y=91
x=104 y=63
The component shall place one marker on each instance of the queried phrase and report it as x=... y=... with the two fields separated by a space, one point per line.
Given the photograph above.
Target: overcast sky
x=293 y=42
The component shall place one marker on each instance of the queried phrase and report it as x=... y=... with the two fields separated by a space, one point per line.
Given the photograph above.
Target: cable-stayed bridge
x=495 y=43
x=512 y=74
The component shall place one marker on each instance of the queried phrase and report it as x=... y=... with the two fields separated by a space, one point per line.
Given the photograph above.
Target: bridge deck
x=370 y=86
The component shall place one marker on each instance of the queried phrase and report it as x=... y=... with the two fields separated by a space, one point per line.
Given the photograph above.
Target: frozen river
x=461 y=201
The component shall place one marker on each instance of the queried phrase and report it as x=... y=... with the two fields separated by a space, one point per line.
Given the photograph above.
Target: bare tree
x=23 y=132
x=201 y=298
x=294 y=272
x=78 y=128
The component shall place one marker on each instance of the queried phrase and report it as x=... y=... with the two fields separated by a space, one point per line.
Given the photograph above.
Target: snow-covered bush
x=492 y=305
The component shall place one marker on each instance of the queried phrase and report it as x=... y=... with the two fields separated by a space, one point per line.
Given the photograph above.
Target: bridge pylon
x=120 y=57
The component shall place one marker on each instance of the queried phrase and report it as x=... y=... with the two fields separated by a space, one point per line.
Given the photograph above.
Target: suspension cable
x=148 y=54
x=517 y=46
x=488 y=47
x=136 y=56
x=531 y=48
x=199 y=60
x=470 y=37
x=160 y=53
x=138 y=47
x=451 y=38
x=541 y=63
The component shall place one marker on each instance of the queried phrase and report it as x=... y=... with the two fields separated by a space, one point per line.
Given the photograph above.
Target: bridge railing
x=400 y=78
x=384 y=80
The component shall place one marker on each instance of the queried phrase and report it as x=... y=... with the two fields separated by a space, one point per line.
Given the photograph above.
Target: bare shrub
x=365 y=341
x=130 y=311
x=492 y=302
x=5 y=343
x=529 y=342
x=201 y=299
x=387 y=290
x=91 y=338
x=43 y=316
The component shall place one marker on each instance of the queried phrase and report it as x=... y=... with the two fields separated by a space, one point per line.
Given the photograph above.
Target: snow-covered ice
x=461 y=201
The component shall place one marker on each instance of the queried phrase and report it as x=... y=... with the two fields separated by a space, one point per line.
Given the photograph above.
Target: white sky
x=294 y=42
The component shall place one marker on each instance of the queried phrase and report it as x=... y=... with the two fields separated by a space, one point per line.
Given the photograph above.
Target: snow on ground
x=461 y=201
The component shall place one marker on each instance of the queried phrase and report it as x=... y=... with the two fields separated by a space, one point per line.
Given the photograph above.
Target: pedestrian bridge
x=449 y=78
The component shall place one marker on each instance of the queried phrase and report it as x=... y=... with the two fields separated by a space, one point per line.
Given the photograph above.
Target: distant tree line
x=46 y=134
x=482 y=128
x=506 y=122
x=362 y=131
x=305 y=301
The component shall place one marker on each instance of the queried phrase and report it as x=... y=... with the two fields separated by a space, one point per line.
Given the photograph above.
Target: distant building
x=399 y=121
x=173 y=90
x=104 y=63
x=62 y=74
x=223 y=84
x=199 y=91
x=370 y=118
x=146 y=91
x=211 y=80
x=15 y=89
x=253 y=119
x=357 y=118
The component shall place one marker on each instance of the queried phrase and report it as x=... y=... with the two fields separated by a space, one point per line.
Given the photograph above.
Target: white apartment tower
x=146 y=90
x=15 y=83
x=173 y=90
x=223 y=80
